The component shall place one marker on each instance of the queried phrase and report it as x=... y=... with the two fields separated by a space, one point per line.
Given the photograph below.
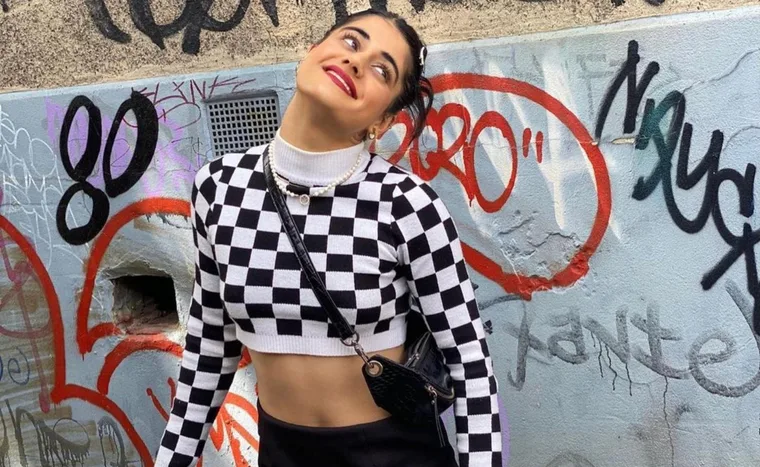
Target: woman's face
x=356 y=73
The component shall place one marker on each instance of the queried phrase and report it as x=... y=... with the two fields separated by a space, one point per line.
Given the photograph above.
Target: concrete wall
x=602 y=180
x=52 y=43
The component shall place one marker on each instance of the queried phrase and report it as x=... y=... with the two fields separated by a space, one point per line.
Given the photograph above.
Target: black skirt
x=384 y=443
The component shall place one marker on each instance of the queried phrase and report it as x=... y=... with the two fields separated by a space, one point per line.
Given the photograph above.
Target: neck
x=304 y=125
x=315 y=168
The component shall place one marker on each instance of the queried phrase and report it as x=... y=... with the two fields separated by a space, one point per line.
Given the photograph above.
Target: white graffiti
x=29 y=185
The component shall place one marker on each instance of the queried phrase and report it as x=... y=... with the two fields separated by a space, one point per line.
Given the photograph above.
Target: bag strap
x=347 y=334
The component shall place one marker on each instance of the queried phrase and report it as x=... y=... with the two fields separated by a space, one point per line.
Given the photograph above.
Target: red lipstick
x=341 y=79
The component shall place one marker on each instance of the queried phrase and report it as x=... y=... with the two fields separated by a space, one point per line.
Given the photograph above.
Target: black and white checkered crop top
x=379 y=240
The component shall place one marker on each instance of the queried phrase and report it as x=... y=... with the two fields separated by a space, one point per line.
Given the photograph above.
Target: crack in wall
x=609 y=365
x=733 y=69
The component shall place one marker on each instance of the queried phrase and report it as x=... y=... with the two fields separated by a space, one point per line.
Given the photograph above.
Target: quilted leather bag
x=416 y=391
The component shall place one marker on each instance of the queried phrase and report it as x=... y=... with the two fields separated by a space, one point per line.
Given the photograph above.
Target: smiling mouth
x=341 y=82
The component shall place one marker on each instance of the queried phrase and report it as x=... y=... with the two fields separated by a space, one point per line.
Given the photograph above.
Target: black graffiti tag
x=145 y=146
x=53 y=447
x=192 y=20
x=195 y=17
x=672 y=109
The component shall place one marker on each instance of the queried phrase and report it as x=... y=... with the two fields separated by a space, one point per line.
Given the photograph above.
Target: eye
x=384 y=72
x=351 y=41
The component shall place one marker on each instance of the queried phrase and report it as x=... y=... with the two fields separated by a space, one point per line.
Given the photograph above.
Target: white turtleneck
x=309 y=168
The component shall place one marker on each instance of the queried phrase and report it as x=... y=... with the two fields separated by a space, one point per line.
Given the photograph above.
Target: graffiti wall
x=603 y=182
x=55 y=43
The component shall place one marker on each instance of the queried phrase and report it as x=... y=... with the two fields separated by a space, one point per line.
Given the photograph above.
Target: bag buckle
x=372 y=367
x=353 y=341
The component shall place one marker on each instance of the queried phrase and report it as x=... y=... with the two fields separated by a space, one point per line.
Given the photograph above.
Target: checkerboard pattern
x=380 y=241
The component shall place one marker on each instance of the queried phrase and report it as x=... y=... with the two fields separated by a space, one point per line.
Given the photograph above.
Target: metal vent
x=242 y=123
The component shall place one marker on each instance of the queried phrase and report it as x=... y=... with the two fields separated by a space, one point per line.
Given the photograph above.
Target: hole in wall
x=144 y=304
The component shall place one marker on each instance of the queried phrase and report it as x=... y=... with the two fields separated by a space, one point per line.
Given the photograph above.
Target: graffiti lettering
x=674 y=104
x=147 y=138
x=698 y=359
x=56 y=449
x=184 y=94
x=574 y=336
x=111 y=443
x=20 y=274
x=655 y=359
x=34 y=268
x=341 y=10
x=194 y=18
x=53 y=448
x=428 y=166
x=15 y=371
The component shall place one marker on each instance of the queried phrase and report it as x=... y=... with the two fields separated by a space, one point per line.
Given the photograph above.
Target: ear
x=384 y=125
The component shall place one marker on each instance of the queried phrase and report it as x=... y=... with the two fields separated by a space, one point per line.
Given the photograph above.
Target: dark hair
x=417 y=91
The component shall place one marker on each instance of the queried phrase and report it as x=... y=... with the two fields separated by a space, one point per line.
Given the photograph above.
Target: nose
x=354 y=64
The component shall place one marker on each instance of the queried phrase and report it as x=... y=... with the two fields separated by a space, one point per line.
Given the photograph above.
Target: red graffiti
x=18 y=275
x=225 y=421
x=62 y=390
x=440 y=158
x=126 y=348
x=86 y=338
x=225 y=424
x=227 y=427
x=172 y=392
x=140 y=343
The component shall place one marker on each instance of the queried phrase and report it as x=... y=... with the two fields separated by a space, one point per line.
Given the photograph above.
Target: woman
x=381 y=237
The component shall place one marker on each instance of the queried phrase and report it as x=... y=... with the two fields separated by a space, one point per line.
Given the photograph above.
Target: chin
x=334 y=105
x=327 y=97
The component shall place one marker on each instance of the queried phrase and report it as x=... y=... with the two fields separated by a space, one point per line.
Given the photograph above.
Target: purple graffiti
x=172 y=169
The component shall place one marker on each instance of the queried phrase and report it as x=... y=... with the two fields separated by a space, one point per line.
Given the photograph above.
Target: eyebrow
x=385 y=55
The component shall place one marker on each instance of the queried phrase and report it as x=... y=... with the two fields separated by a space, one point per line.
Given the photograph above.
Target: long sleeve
x=212 y=352
x=431 y=254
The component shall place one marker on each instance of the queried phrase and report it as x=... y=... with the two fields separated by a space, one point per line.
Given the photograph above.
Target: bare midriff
x=317 y=391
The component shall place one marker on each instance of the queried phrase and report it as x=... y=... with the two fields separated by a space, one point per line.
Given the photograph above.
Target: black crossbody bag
x=416 y=391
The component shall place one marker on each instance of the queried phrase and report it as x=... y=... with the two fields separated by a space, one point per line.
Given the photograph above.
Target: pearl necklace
x=305 y=198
